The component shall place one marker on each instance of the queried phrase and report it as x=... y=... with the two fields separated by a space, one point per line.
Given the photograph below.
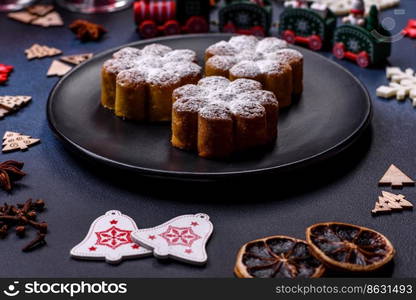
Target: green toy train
x=246 y=17
x=306 y=26
x=367 y=44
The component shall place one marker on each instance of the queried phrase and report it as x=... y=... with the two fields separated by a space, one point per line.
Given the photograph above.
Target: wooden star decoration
x=14 y=141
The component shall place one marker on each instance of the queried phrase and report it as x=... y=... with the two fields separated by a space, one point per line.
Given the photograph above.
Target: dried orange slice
x=277 y=257
x=349 y=247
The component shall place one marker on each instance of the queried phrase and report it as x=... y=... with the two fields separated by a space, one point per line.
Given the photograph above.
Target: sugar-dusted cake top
x=157 y=64
x=216 y=97
x=246 y=56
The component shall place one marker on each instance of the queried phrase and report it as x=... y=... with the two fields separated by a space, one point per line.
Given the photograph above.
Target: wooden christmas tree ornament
x=51 y=19
x=76 y=59
x=399 y=199
x=14 y=141
x=40 y=10
x=58 y=68
x=39 y=51
x=389 y=202
x=380 y=208
x=22 y=16
x=10 y=104
x=395 y=178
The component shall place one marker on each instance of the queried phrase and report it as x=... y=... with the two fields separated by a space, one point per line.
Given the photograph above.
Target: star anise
x=87 y=31
x=10 y=171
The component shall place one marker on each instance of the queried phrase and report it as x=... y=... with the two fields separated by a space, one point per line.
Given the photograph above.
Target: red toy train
x=167 y=17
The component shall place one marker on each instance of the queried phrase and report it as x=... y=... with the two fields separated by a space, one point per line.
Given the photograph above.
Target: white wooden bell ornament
x=109 y=238
x=183 y=238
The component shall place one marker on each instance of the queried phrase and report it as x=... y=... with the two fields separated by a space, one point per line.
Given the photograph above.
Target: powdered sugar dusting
x=272 y=66
x=243 y=42
x=221 y=62
x=216 y=110
x=245 y=68
x=286 y=55
x=270 y=44
x=246 y=56
x=131 y=77
x=127 y=52
x=218 y=98
x=115 y=66
x=221 y=48
x=246 y=108
x=158 y=64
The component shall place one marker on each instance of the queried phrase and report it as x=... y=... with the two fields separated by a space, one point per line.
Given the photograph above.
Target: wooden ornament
x=380 y=208
x=40 y=10
x=183 y=238
x=51 y=19
x=14 y=141
x=76 y=59
x=12 y=103
x=38 y=51
x=399 y=199
x=389 y=203
x=3 y=112
x=22 y=16
x=396 y=178
x=109 y=239
x=58 y=68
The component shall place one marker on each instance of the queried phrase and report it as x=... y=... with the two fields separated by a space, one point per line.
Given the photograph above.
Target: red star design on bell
x=151 y=237
x=113 y=237
x=194 y=223
x=188 y=251
x=112 y=222
x=135 y=246
x=92 y=248
x=183 y=236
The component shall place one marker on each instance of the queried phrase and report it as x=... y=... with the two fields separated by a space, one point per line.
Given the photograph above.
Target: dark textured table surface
x=342 y=189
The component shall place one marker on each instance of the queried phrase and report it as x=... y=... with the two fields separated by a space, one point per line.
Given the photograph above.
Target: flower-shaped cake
x=138 y=83
x=217 y=117
x=268 y=61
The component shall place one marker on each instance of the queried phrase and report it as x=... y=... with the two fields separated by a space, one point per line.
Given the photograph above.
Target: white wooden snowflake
x=402 y=85
x=342 y=7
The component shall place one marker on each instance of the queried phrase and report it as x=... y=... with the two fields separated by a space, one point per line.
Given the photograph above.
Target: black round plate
x=334 y=110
